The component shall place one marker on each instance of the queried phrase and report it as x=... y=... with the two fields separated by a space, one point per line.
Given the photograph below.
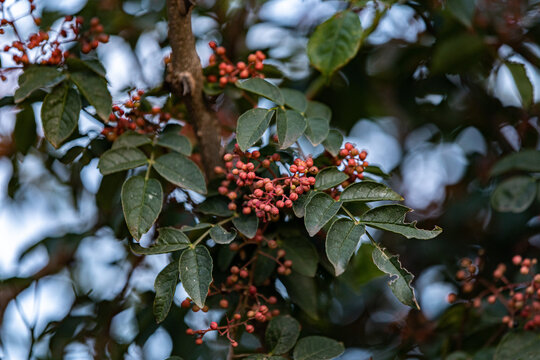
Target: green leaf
x=319 y=110
x=115 y=160
x=302 y=253
x=225 y=257
x=165 y=286
x=181 y=171
x=171 y=139
x=36 y=77
x=215 y=205
x=329 y=177
x=303 y=292
x=290 y=126
x=333 y=142
x=264 y=357
x=197 y=227
x=222 y=236
x=94 y=88
x=281 y=334
x=319 y=210
x=463 y=10
x=131 y=139
x=526 y=160
x=317 y=130
x=375 y=170
x=247 y=225
x=523 y=83
x=400 y=278
x=299 y=206
x=335 y=42
x=317 y=348
x=262 y=87
x=369 y=191
x=196 y=273
x=341 y=242
x=514 y=195
x=519 y=345
x=361 y=268
x=60 y=114
x=264 y=267
x=174 y=358
x=7 y=100
x=141 y=201
x=294 y=99
x=356 y=208
x=95 y=66
x=455 y=54
x=25 y=130
x=251 y=126
x=392 y=218
x=169 y=240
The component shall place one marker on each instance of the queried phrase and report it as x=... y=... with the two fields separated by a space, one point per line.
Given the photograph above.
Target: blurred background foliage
x=443 y=94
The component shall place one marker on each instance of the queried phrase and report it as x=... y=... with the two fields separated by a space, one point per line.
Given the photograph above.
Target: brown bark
x=186 y=79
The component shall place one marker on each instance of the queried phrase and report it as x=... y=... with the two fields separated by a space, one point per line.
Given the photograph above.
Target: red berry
x=260 y=55
x=213 y=325
x=223 y=303
x=363 y=155
x=199 y=341
x=244 y=74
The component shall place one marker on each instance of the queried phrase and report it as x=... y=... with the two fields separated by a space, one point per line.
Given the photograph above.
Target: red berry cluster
x=260 y=313
x=228 y=71
x=42 y=48
x=353 y=161
x=284 y=266
x=252 y=307
x=264 y=196
x=130 y=116
x=91 y=39
x=49 y=50
x=522 y=300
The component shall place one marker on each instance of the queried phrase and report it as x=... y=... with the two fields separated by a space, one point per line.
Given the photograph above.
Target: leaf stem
x=201 y=238
x=150 y=162
x=373 y=242
x=356 y=222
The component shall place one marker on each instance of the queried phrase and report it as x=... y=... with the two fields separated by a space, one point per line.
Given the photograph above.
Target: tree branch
x=186 y=79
